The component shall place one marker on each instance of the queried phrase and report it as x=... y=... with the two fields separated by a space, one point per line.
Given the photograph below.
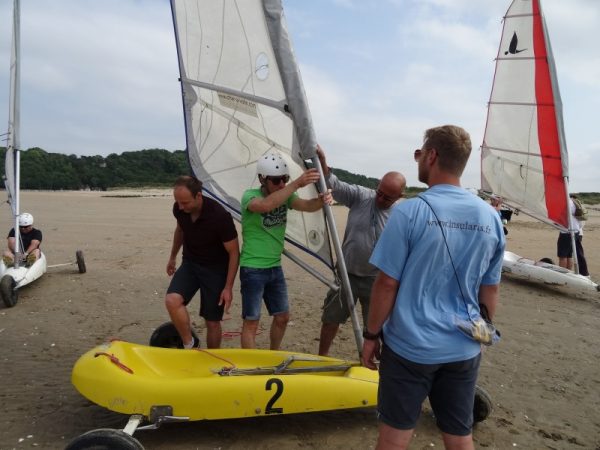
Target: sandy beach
x=543 y=376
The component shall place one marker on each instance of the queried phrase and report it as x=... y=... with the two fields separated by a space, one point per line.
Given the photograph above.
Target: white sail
x=524 y=154
x=242 y=97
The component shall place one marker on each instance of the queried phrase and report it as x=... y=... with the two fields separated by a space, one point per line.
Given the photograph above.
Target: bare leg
x=249 y=329
x=454 y=442
x=567 y=263
x=179 y=316
x=393 y=439
x=213 y=334
x=328 y=333
x=278 y=327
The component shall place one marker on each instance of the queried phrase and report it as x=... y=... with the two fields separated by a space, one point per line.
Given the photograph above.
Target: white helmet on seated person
x=271 y=164
x=25 y=220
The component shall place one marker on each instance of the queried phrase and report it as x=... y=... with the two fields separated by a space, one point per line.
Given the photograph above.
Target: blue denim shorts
x=258 y=284
x=404 y=385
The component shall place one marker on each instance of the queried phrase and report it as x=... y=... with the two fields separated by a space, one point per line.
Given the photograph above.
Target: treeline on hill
x=55 y=171
x=141 y=168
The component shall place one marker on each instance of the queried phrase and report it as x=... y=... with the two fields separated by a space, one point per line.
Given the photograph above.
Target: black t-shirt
x=34 y=234
x=203 y=239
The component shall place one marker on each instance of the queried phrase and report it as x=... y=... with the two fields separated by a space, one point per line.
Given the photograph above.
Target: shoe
x=31 y=258
x=8 y=261
x=195 y=343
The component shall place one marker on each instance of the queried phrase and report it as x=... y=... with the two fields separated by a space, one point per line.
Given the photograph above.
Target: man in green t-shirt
x=264 y=218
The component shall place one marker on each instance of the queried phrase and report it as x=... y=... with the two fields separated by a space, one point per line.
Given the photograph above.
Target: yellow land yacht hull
x=220 y=384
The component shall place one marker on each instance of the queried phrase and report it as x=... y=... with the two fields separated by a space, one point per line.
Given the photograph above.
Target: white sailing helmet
x=271 y=164
x=25 y=220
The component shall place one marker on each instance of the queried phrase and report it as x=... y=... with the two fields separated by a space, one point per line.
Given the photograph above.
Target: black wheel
x=9 y=291
x=80 y=261
x=166 y=336
x=483 y=406
x=105 y=439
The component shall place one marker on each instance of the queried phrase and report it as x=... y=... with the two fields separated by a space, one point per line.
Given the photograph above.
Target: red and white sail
x=524 y=154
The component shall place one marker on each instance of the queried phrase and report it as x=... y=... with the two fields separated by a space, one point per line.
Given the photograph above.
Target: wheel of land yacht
x=166 y=336
x=9 y=291
x=547 y=260
x=483 y=406
x=105 y=439
x=80 y=261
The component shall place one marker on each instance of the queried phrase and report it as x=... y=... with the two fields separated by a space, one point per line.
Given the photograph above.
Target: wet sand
x=543 y=377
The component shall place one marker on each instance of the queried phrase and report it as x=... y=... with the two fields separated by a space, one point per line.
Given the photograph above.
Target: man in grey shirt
x=369 y=211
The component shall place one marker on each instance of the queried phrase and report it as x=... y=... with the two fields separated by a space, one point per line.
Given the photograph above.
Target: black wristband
x=371 y=336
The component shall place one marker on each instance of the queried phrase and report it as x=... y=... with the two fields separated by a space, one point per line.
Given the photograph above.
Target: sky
x=101 y=76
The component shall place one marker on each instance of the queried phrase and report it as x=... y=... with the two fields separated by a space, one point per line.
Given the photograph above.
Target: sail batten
x=524 y=155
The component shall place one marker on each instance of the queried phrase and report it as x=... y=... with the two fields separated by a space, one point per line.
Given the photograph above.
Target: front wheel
x=166 y=336
x=105 y=439
x=80 y=261
x=483 y=406
x=9 y=291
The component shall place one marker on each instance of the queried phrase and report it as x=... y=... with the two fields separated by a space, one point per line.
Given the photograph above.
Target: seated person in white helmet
x=264 y=218
x=31 y=239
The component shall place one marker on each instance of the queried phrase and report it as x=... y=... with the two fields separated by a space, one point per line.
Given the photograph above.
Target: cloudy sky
x=101 y=76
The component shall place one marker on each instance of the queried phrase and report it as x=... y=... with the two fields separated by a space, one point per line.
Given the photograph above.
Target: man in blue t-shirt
x=440 y=259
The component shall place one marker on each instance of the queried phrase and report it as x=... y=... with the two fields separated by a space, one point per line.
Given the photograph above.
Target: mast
x=298 y=106
x=560 y=129
x=12 y=163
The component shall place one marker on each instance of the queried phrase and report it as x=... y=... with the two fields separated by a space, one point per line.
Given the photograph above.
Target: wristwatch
x=371 y=336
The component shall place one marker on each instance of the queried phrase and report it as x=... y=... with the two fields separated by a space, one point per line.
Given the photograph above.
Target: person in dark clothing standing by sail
x=564 y=245
x=209 y=263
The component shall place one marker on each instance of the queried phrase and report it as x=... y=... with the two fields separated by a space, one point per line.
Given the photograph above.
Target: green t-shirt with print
x=263 y=234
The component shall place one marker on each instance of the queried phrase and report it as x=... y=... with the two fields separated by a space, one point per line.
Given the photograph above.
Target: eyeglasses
x=24 y=226
x=418 y=153
x=387 y=198
x=279 y=179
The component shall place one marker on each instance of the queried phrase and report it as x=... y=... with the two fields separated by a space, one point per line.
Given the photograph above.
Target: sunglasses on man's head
x=279 y=179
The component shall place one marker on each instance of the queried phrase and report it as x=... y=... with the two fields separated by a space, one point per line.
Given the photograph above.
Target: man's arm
x=314 y=204
x=344 y=193
x=232 y=247
x=488 y=296
x=32 y=246
x=383 y=299
x=278 y=198
x=11 y=244
x=177 y=243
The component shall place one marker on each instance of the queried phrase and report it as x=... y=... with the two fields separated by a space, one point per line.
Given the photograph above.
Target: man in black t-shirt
x=31 y=239
x=210 y=261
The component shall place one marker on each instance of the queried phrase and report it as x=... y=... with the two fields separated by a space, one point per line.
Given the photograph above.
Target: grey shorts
x=335 y=307
x=404 y=385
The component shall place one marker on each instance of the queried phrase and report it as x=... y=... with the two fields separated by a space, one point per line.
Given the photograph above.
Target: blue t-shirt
x=422 y=325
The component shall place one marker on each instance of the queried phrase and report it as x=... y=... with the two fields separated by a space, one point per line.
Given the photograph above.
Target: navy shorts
x=404 y=385
x=564 y=249
x=191 y=277
x=258 y=284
